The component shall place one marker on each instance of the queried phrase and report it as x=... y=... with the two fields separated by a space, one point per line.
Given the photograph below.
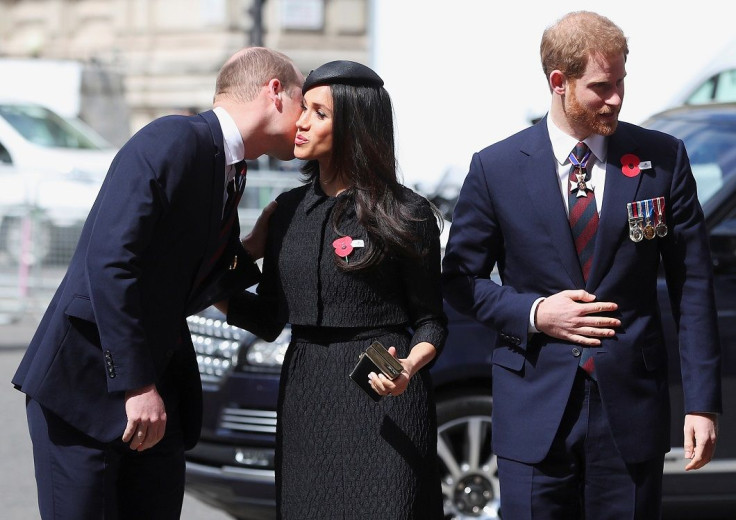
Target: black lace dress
x=340 y=455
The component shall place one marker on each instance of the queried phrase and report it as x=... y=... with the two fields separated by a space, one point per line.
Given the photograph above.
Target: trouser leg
x=583 y=476
x=614 y=489
x=73 y=471
x=79 y=478
x=151 y=482
x=551 y=489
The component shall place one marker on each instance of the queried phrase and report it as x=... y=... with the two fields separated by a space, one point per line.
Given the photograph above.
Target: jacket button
x=576 y=352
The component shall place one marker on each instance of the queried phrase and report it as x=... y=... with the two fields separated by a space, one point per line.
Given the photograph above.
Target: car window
x=712 y=157
x=5 y=155
x=43 y=127
x=720 y=88
x=704 y=93
x=711 y=147
x=726 y=87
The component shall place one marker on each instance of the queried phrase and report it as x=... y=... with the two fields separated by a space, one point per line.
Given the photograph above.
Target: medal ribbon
x=660 y=209
x=582 y=163
x=633 y=213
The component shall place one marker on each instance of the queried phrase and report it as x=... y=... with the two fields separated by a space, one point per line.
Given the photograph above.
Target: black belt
x=310 y=334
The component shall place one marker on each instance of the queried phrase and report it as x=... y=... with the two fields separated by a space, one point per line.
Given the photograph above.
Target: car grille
x=250 y=421
x=217 y=345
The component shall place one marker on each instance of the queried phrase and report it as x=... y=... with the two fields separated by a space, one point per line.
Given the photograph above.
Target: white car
x=51 y=169
x=33 y=136
x=715 y=82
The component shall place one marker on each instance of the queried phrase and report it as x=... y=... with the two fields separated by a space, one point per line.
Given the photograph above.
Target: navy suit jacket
x=510 y=213
x=117 y=321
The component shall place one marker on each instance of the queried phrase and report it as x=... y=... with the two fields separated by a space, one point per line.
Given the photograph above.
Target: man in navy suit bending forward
x=111 y=379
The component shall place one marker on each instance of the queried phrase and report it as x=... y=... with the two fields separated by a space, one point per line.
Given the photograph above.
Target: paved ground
x=17 y=484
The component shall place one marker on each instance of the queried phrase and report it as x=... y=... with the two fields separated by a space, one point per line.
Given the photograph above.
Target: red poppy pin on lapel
x=631 y=165
x=345 y=245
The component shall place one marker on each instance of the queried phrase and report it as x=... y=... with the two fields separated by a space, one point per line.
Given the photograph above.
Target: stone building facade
x=168 y=52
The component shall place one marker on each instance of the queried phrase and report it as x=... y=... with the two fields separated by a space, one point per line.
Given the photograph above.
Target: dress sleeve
x=687 y=264
x=422 y=284
x=260 y=312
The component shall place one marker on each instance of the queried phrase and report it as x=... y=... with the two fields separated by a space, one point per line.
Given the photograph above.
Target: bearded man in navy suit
x=111 y=378
x=579 y=212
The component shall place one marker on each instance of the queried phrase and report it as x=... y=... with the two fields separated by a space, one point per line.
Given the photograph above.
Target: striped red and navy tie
x=584 y=224
x=583 y=210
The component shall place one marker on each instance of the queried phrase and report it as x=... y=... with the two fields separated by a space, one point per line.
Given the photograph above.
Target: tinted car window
x=711 y=147
x=720 y=88
x=5 y=155
x=704 y=93
x=42 y=127
x=726 y=90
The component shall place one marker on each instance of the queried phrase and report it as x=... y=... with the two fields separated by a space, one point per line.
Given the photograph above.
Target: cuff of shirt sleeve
x=533 y=316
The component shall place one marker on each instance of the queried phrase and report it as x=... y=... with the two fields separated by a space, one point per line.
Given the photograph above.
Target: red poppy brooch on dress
x=631 y=165
x=345 y=245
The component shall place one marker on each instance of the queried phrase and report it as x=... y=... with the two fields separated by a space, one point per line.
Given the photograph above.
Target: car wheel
x=468 y=467
x=29 y=241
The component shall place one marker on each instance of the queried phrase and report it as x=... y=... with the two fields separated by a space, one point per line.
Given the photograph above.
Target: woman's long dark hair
x=363 y=155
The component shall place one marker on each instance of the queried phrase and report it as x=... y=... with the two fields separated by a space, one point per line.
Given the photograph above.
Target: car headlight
x=217 y=345
x=215 y=357
x=265 y=354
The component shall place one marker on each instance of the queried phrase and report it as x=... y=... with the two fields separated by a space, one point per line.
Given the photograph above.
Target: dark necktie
x=584 y=224
x=583 y=211
x=234 y=188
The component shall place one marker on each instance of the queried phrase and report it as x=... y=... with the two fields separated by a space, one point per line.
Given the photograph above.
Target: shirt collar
x=562 y=144
x=233 y=141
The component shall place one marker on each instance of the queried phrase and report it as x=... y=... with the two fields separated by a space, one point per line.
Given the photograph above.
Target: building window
x=303 y=15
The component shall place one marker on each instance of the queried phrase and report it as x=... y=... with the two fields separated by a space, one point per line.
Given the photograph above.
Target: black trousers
x=583 y=476
x=80 y=478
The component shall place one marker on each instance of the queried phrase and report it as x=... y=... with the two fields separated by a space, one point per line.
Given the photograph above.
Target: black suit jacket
x=118 y=320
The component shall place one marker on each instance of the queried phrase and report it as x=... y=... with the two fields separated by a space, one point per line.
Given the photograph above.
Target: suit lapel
x=539 y=174
x=217 y=193
x=619 y=191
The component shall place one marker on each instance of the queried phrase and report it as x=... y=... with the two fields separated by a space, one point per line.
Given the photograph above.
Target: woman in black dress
x=351 y=257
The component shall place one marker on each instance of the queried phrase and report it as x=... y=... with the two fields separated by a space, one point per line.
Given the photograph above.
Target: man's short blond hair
x=567 y=45
x=247 y=71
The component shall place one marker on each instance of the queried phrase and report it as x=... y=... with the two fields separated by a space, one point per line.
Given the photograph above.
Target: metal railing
x=34 y=254
x=262 y=187
x=35 y=249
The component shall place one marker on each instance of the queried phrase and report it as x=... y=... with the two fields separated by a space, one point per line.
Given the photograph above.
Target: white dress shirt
x=562 y=145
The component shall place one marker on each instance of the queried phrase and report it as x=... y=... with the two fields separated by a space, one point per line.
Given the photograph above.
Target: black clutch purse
x=375 y=359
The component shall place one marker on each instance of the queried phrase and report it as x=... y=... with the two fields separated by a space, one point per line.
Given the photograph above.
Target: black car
x=232 y=466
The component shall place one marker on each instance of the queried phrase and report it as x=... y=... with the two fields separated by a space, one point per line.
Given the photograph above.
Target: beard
x=588 y=120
